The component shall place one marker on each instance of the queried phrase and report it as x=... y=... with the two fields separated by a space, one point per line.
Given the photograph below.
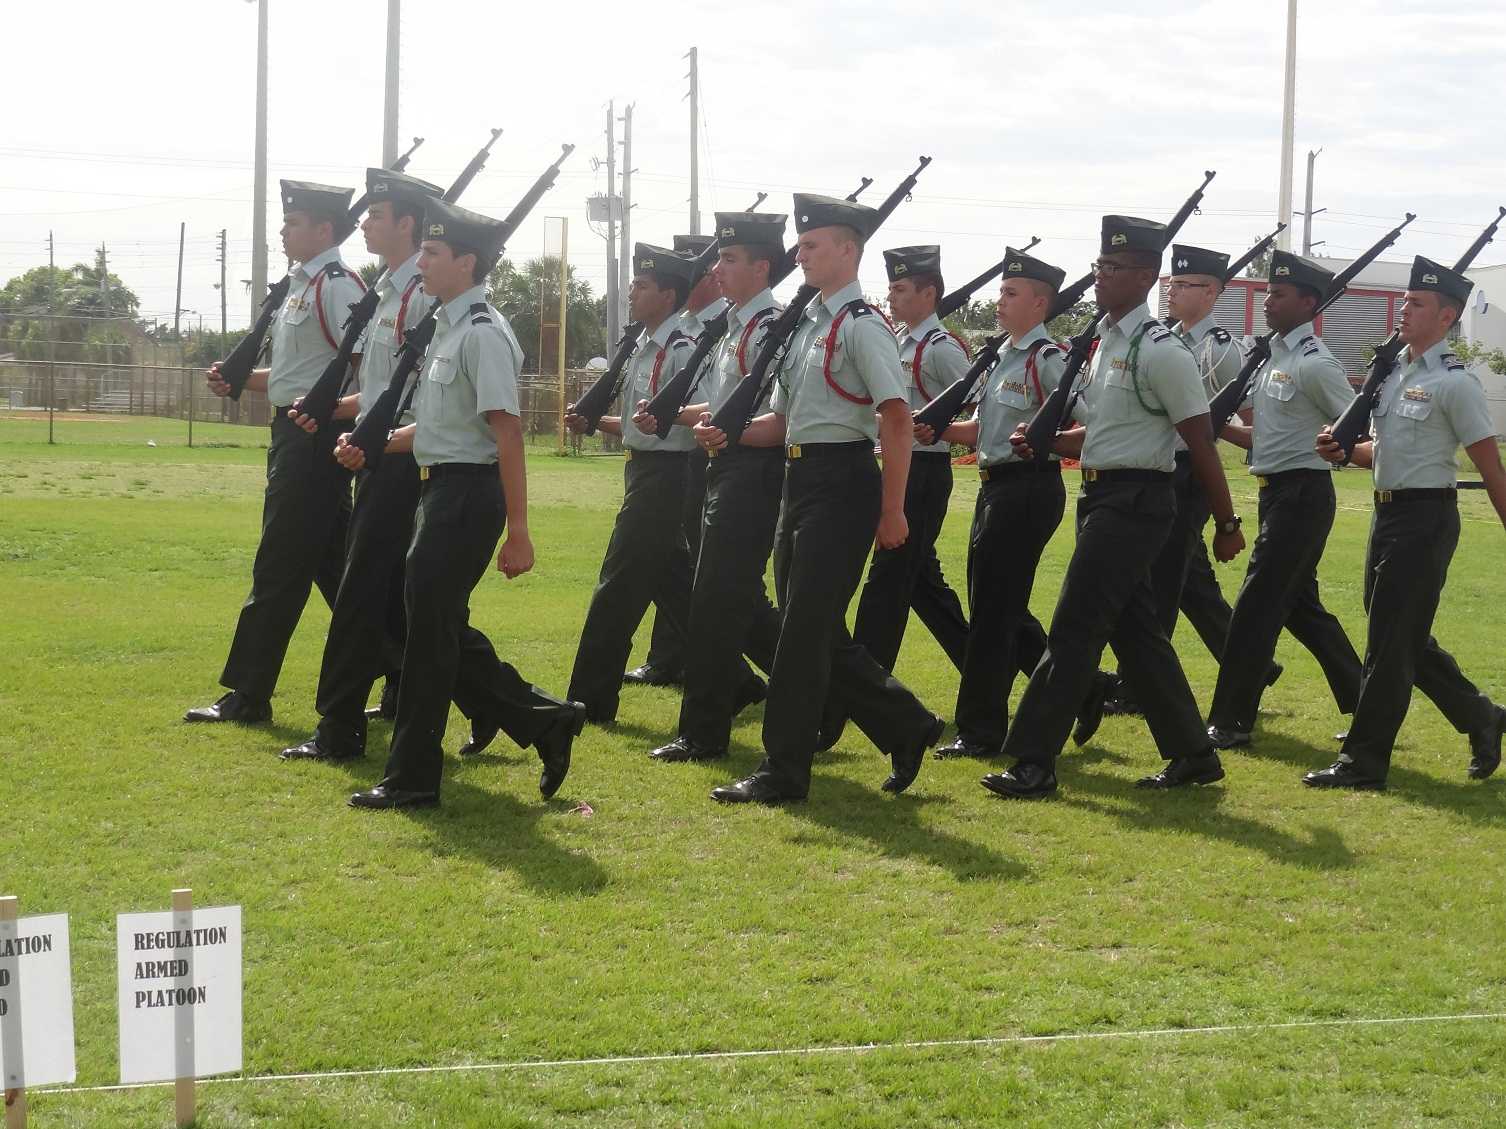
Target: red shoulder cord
x=318 y=285
x=653 y=380
x=402 y=309
x=742 y=345
x=831 y=349
x=920 y=352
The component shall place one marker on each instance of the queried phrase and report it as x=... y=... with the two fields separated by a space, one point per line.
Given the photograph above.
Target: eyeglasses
x=1174 y=285
x=1108 y=269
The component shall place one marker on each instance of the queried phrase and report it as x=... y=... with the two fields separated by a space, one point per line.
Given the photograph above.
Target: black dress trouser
x=666 y=644
x=304 y=517
x=1182 y=577
x=1406 y=564
x=1280 y=589
x=1017 y=511
x=1106 y=600
x=460 y=517
x=827 y=518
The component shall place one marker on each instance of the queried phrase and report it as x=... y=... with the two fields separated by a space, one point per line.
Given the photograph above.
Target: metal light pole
x=259 y=191
x=1288 y=122
x=389 y=110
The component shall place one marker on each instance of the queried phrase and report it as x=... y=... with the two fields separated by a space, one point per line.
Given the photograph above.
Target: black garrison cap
x=1428 y=275
x=693 y=245
x=813 y=211
x=1130 y=233
x=1186 y=259
x=648 y=259
x=315 y=199
x=464 y=230
x=1287 y=267
x=902 y=262
x=1017 y=264
x=741 y=229
x=384 y=184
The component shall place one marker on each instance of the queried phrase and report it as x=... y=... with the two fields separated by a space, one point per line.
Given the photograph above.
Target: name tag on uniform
x=1279 y=377
x=908 y=366
x=1118 y=363
x=1016 y=386
x=1418 y=395
x=297 y=305
x=386 y=323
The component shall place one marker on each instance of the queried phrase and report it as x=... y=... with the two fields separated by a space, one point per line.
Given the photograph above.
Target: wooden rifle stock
x=1354 y=424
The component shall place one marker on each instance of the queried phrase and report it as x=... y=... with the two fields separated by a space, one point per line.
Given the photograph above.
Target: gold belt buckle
x=1383 y=495
x=1089 y=474
x=983 y=474
x=792 y=451
x=627 y=454
x=712 y=452
x=423 y=474
x=1262 y=480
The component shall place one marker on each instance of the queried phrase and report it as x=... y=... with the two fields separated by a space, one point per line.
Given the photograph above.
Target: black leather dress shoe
x=650 y=675
x=554 y=747
x=387 y=709
x=1025 y=781
x=905 y=765
x=750 y=693
x=1182 y=771
x=1120 y=702
x=482 y=732
x=1090 y=712
x=1485 y=747
x=1341 y=737
x=1221 y=738
x=1342 y=774
x=683 y=749
x=381 y=798
x=314 y=750
x=233 y=706
x=755 y=789
x=965 y=747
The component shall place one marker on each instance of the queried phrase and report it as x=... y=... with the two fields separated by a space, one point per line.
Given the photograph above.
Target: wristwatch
x=1230 y=526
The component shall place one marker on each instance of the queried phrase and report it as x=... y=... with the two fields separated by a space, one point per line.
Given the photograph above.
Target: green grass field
x=501 y=929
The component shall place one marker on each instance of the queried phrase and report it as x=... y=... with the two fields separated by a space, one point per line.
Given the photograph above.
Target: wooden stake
x=15 y=1100
x=183 y=1088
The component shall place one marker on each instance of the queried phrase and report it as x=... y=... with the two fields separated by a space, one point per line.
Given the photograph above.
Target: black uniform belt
x=1184 y=458
x=826 y=450
x=1429 y=494
x=1026 y=466
x=631 y=453
x=282 y=412
x=739 y=450
x=931 y=456
x=1285 y=475
x=1107 y=476
x=441 y=470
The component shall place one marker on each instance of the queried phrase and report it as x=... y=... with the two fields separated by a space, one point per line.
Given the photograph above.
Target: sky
x=1041 y=116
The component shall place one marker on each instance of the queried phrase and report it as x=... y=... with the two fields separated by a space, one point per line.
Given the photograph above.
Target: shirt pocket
x=1281 y=390
x=1013 y=395
x=1417 y=410
x=296 y=310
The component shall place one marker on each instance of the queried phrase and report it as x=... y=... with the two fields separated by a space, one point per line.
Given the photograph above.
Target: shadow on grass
x=894 y=827
x=1196 y=811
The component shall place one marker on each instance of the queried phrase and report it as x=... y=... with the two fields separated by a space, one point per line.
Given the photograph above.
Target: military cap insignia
x=900 y=268
x=646 y=264
x=728 y=232
x=436 y=229
x=1182 y=264
x=805 y=219
x=1016 y=266
x=1431 y=279
x=1282 y=270
x=379 y=188
x=1118 y=239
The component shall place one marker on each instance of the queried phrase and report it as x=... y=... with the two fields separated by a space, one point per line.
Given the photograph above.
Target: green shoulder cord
x=1132 y=362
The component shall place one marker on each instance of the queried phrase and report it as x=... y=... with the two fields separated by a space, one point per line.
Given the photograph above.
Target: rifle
x=1228 y=398
x=737 y=412
x=1355 y=422
x=673 y=398
x=320 y=400
x=370 y=434
x=236 y=368
x=1041 y=432
x=595 y=400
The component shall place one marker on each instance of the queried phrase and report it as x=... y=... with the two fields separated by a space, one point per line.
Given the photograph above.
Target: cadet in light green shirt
x=1029 y=369
x=471 y=368
x=737 y=352
x=1300 y=389
x=655 y=363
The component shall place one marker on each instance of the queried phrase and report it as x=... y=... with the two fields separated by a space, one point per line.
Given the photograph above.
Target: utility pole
x=389 y=111
x=104 y=276
x=51 y=264
x=259 y=192
x=626 y=257
x=695 y=159
x=1288 y=122
x=1308 y=212
x=614 y=299
x=178 y=301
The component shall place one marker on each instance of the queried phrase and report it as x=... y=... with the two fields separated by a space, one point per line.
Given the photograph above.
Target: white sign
x=180 y=993
x=36 y=1002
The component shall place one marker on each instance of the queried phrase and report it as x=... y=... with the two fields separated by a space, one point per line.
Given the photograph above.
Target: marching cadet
x=664 y=664
x=909 y=576
x=1143 y=388
x=1182 y=578
x=307 y=505
x=1020 y=503
x=468 y=443
x=647 y=559
x=1428 y=407
x=367 y=618
x=841 y=368
x=729 y=606
x=1300 y=389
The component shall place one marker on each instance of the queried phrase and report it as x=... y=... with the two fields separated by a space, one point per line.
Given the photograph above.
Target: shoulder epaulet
x=1158 y=332
x=335 y=269
x=1452 y=361
x=678 y=338
x=1221 y=335
x=1311 y=349
x=479 y=314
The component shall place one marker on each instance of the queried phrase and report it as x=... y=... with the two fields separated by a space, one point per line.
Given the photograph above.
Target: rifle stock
x=737 y=412
x=1354 y=424
x=370 y=434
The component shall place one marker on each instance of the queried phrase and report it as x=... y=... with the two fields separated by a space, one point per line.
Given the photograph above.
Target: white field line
x=794 y=1052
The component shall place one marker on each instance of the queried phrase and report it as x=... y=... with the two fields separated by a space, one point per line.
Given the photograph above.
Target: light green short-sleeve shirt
x=655 y=362
x=738 y=350
x=1429 y=407
x=1142 y=382
x=832 y=380
x=1028 y=371
x=1301 y=388
x=471 y=368
x=943 y=361
x=1218 y=355
x=307 y=329
x=402 y=306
